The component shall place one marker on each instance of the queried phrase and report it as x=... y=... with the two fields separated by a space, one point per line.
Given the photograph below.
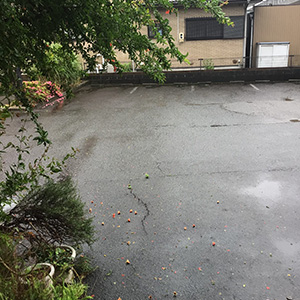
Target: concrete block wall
x=197 y=77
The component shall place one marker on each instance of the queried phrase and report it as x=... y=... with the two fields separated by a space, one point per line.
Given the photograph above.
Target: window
x=151 y=32
x=203 y=29
x=210 y=29
x=237 y=31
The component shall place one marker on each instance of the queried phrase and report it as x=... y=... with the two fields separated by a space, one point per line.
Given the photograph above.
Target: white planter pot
x=48 y=278
x=70 y=275
x=73 y=251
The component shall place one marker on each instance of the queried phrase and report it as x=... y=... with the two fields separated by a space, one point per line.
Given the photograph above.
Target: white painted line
x=192 y=88
x=254 y=86
x=133 y=90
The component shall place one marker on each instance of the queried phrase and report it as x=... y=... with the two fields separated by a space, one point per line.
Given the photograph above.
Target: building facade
x=277 y=25
x=205 y=40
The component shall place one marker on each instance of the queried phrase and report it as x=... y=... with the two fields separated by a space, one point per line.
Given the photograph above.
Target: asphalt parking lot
x=218 y=217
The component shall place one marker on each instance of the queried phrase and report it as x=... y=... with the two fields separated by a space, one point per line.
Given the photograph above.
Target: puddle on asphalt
x=270 y=190
x=287 y=247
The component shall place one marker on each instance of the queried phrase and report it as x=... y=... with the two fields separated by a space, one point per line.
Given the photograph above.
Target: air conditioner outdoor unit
x=181 y=37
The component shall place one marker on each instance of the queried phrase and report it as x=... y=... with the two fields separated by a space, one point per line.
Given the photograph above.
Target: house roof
x=237 y=1
x=278 y=2
x=229 y=1
x=243 y=1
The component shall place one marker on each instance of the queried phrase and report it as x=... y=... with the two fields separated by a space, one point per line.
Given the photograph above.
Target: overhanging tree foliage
x=90 y=27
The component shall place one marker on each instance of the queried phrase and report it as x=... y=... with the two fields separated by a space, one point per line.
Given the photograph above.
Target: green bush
x=83 y=266
x=16 y=284
x=127 y=67
x=59 y=66
x=71 y=292
x=54 y=212
x=208 y=64
x=58 y=257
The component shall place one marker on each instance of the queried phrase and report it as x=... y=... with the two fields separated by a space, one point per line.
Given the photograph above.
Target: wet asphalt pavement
x=218 y=217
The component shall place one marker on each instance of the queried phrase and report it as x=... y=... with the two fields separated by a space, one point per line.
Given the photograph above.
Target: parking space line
x=133 y=90
x=256 y=88
x=192 y=88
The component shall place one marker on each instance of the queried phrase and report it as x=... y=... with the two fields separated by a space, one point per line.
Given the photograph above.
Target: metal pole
x=291 y=56
x=200 y=63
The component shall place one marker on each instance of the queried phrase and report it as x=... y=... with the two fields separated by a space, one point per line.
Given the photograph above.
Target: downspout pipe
x=251 y=39
x=245 y=34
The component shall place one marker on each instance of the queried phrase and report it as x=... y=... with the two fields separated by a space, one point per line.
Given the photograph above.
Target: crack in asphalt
x=146 y=207
x=202 y=104
x=223 y=106
x=159 y=168
x=288 y=169
x=239 y=124
x=164 y=126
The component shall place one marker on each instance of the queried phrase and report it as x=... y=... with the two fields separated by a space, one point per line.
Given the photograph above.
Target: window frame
x=206 y=22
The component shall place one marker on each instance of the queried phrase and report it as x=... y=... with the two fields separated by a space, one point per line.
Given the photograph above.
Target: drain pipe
x=251 y=39
x=245 y=34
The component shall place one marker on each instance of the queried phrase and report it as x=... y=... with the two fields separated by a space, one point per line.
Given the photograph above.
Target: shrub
x=83 y=266
x=208 y=64
x=71 y=292
x=127 y=67
x=38 y=92
x=58 y=66
x=53 y=213
x=57 y=256
x=14 y=283
x=23 y=171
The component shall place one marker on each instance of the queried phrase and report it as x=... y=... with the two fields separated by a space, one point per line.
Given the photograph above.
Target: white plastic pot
x=48 y=278
x=70 y=276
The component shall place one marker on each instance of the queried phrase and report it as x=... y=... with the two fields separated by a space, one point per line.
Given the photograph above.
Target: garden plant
x=18 y=282
x=42 y=92
x=33 y=232
x=60 y=67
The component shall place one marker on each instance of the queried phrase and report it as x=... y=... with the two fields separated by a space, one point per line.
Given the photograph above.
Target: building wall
x=278 y=24
x=221 y=51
